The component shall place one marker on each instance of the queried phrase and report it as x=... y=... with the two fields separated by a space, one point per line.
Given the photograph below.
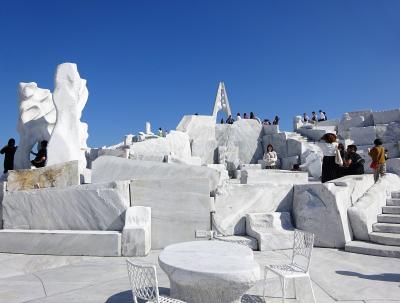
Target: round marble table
x=209 y=271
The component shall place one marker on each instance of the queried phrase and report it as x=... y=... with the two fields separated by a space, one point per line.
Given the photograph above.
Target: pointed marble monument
x=221 y=101
x=68 y=140
x=37 y=116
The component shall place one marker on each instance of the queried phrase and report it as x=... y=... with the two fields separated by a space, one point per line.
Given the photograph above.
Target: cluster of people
x=230 y=119
x=338 y=162
x=314 y=118
x=9 y=152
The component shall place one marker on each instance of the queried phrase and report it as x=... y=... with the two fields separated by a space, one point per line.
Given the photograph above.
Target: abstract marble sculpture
x=221 y=101
x=68 y=140
x=37 y=116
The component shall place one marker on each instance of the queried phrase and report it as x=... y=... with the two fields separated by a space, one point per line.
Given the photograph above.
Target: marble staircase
x=385 y=235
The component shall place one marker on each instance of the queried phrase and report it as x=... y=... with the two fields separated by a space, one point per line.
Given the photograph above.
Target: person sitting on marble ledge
x=9 y=152
x=270 y=157
x=41 y=155
x=229 y=120
x=353 y=162
x=238 y=117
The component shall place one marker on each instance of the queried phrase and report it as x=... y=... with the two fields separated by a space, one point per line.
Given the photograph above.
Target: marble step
x=393 y=202
x=61 y=242
x=391 y=210
x=385 y=238
x=368 y=248
x=386 y=228
x=389 y=218
x=396 y=194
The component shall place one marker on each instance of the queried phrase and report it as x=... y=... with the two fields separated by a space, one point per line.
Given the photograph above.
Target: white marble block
x=275 y=176
x=272 y=230
x=363 y=135
x=201 y=131
x=385 y=117
x=237 y=200
x=136 y=235
x=59 y=175
x=322 y=208
x=83 y=207
x=178 y=208
x=289 y=162
x=61 y=242
x=68 y=140
x=108 y=168
x=270 y=129
x=37 y=116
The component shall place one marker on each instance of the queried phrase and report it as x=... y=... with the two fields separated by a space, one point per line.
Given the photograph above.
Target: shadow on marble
x=387 y=277
x=126 y=296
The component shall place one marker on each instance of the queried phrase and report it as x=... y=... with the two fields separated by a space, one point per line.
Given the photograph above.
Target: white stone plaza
x=206 y=206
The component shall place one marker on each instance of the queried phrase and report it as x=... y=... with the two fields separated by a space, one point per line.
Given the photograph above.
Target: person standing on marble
x=238 y=117
x=41 y=155
x=160 y=132
x=276 y=121
x=9 y=151
x=377 y=154
x=306 y=118
x=245 y=116
x=330 y=170
x=270 y=157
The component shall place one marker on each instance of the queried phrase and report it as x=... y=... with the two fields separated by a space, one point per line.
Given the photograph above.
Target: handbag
x=338 y=158
x=374 y=165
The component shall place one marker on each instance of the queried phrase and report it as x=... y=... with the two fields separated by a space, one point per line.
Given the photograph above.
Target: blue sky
x=158 y=60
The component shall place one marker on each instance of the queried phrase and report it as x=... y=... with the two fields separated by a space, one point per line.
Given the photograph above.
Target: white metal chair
x=299 y=267
x=144 y=284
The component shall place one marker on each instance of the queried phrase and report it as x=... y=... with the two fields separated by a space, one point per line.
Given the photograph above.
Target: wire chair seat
x=286 y=270
x=163 y=299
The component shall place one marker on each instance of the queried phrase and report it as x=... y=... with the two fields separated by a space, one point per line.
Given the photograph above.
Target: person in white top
x=238 y=117
x=330 y=170
x=270 y=157
x=322 y=116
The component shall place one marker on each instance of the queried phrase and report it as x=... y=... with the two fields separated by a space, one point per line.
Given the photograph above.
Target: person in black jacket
x=9 y=151
x=353 y=162
x=41 y=156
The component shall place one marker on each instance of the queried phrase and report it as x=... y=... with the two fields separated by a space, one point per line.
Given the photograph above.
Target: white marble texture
x=83 y=207
x=59 y=175
x=387 y=116
x=61 y=242
x=108 y=168
x=273 y=230
x=363 y=135
x=274 y=176
x=178 y=208
x=244 y=135
x=322 y=208
x=68 y=140
x=221 y=101
x=201 y=131
x=237 y=200
x=209 y=271
x=37 y=116
x=364 y=211
x=136 y=235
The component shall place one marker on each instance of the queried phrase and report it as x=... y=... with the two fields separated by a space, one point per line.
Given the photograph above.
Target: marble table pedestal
x=209 y=271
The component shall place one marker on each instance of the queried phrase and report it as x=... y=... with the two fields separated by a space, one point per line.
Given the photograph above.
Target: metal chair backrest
x=303 y=243
x=143 y=279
